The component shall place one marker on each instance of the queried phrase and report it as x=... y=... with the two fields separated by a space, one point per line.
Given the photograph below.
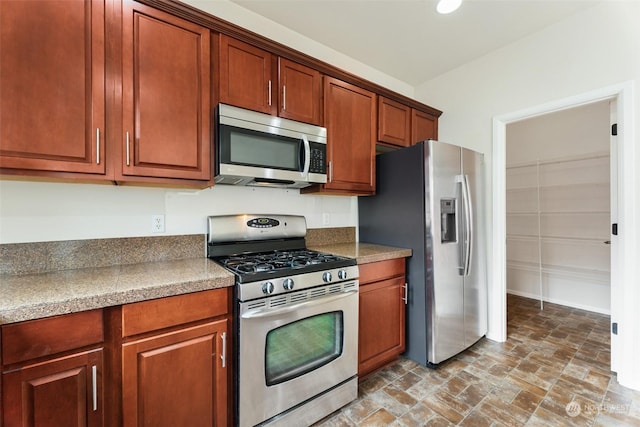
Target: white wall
x=594 y=49
x=40 y=211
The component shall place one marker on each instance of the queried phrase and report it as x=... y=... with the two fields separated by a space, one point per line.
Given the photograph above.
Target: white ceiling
x=408 y=39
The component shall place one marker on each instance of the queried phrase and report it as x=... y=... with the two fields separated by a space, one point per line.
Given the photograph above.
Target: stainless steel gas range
x=295 y=320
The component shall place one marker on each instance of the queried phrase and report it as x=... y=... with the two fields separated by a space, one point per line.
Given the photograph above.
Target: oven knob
x=326 y=276
x=267 y=288
x=287 y=284
x=342 y=274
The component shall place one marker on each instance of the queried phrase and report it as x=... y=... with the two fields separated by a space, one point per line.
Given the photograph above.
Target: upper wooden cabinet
x=423 y=126
x=166 y=86
x=246 y=76
x=350 y=119
x=255 y=79
x=300 y=92
x=401 y=126
x=394 y=122
x=52 y=68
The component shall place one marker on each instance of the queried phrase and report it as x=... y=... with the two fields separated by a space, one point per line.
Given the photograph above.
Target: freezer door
x=475 y=282
x=445 y=292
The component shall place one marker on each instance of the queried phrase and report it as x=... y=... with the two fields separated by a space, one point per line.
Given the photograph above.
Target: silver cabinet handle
x=284 y=98
x=223 y=356
x=406 y=293
x=94 y=386
x=330 y=171
x=128 y=158
x=97 y=146
x=269 y=91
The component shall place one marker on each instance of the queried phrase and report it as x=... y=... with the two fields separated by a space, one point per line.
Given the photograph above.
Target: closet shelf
x=600 y=276
x=534 y=237
x=558 y=186
x=559 y=213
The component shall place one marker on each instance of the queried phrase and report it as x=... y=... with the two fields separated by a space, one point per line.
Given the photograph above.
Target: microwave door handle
x=307 y=155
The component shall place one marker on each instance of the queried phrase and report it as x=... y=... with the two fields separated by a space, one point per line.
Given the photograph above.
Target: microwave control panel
x=318 y=163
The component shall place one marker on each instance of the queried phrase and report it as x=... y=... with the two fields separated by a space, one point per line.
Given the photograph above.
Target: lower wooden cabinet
x=175 y=360
x=162 y=362
x=381 y=330
x=177 y=378
x=65 y=391
x=52 y=371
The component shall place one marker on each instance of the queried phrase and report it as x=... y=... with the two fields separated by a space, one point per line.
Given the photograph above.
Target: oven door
x=291 y=352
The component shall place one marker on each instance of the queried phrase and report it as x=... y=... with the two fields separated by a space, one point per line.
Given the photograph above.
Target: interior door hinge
x=614 y=229
x=614 y=129
x=614 y=328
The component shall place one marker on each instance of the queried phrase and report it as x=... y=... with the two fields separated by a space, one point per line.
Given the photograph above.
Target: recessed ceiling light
x=448 y=6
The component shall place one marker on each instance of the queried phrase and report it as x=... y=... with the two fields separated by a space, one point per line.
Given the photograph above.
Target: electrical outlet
x=157 y=223
x=326 y=219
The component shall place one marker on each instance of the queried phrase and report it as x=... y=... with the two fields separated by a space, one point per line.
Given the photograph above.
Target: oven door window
x=251 y=148
x=296 y=348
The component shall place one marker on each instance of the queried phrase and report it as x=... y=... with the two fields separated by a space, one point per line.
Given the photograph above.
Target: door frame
x=623 y=296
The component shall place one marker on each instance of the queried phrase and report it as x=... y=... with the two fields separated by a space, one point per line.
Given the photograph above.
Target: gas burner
x=280 y=262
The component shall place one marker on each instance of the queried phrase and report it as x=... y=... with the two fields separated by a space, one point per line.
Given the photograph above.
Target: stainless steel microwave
x=258 y=149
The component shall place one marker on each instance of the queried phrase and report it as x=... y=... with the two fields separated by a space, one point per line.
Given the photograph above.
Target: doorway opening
x=623 y=293
x=559 y=207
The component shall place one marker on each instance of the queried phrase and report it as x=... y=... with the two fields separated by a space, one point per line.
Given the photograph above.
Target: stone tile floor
x=553 y=370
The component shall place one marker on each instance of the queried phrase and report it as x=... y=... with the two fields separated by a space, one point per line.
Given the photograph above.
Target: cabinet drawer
x=162 y=313
x=381 y=270
x=43 y=337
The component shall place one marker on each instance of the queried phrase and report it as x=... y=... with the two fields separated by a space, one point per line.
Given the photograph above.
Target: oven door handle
x=269 y=312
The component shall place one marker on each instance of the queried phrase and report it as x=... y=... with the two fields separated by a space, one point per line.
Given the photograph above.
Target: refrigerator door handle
x=468 y=229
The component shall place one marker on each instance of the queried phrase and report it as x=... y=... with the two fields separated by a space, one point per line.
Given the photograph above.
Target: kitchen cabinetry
x=52 y=371
x=175 y=360
x=246 y=76
x=350 y=119
x=381 y=334
x=255 y=79
x=300 y=92
x=423 y=126
x=401 y=126
x=394 y=122
x=52 y=108
x=166 y=96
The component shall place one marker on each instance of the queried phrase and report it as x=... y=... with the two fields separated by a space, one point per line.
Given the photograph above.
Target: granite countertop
x=363 y=252
x=34 y=296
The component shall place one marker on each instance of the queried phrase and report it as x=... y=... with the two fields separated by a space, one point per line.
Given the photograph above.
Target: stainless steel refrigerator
x=429 y=198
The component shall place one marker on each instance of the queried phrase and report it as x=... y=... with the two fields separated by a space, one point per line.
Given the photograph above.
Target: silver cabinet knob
x=267 y=288
x=326 y=276
x=288 y=284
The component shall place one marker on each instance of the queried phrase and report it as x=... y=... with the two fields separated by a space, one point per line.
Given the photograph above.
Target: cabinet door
x=300 y=92
x=350 y=119
x=177 y=378
x=246 y=76
x=61 y=392
x=394 y=122
x=166 y=95
x=52 y=107
x=423 y=126
x=382 y=319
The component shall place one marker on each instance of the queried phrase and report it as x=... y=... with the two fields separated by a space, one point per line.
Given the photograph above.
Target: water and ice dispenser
x=448 y=223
